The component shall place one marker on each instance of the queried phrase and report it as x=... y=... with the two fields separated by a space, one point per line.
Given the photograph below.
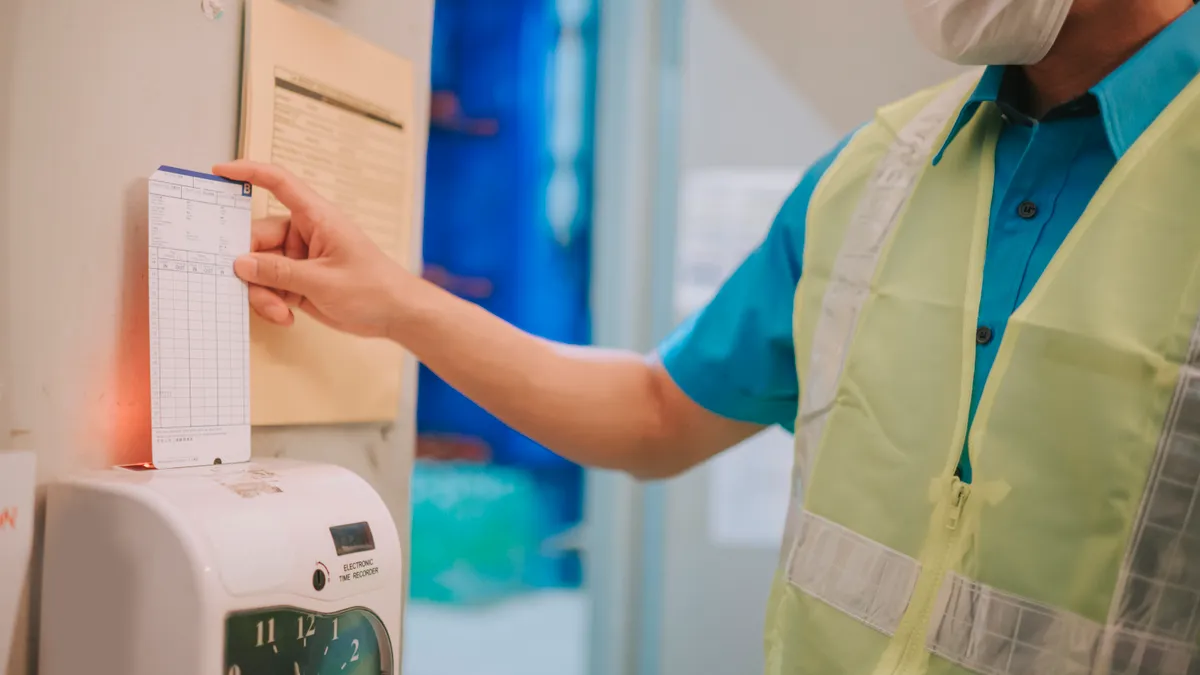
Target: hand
x=314 y=259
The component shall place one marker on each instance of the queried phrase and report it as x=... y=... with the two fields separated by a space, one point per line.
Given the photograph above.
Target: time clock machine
x=261 y=568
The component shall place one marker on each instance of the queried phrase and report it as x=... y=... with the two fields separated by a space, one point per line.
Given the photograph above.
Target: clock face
x=290 y=641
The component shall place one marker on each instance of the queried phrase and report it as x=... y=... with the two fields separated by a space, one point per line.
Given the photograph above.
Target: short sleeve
x=735 y=357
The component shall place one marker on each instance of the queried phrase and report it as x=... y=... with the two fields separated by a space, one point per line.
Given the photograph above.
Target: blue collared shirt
x=736 y=356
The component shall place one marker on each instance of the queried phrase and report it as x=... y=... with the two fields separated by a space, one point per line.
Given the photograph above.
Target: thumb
x=275 y=271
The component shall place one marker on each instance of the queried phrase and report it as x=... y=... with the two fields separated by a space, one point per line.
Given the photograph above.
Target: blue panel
x=486 y=211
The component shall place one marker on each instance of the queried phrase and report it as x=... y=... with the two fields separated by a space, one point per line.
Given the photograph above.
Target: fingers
x=310 y=309
x=274 y=271
x=270 y=306
x=295 y=246
x=269 y=234
x=267 y=238
x=286 y=187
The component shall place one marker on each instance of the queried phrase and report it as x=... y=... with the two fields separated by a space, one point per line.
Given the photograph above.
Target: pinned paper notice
x=340 y=113
x=199 y=319
x=724 y=214
x=749 y=491
x=16 y=538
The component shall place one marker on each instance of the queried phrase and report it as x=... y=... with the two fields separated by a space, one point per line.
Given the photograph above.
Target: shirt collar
x=1130 y=98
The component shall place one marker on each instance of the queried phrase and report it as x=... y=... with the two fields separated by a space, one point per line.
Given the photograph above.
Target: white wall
x=775 y=84
x=100 y=94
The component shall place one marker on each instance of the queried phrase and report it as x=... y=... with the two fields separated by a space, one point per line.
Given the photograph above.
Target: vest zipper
x=959 y=491
x=914 y=650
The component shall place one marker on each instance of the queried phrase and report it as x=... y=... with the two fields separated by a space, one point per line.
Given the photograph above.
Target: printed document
x=725 y=213
x=199 y=319
x=17 y=477
x=337 y=111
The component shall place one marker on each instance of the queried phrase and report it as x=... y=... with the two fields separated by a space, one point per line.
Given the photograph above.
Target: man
x=991 y=298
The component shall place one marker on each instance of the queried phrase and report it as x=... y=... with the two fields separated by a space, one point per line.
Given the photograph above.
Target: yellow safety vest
x=1076 y=549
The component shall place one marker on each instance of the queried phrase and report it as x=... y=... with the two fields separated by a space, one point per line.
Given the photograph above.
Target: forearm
x=602 y=408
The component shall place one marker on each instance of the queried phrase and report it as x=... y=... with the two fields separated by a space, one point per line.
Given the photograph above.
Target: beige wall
x=100 y=94
x=842 y=58
x=7 y=64
x=7 y=49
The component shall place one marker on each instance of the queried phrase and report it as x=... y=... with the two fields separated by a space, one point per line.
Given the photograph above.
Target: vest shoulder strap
x=856 y=162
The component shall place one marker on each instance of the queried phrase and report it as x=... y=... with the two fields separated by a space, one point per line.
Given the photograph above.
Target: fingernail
x=246 y=267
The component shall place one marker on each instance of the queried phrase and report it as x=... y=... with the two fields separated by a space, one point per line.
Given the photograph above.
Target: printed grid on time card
x=199 y=319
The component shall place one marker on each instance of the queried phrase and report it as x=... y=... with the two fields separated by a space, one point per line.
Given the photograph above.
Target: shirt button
x=983 y=336
x=1027 y=210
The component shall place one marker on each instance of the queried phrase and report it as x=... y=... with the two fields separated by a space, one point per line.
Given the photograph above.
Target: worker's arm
x=606 y=408
x=603 y=408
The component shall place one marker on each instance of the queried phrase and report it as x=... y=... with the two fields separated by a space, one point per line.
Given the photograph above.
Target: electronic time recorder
x=261 y=568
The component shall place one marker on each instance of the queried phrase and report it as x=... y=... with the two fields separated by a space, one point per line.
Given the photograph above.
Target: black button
x=1027 y=210
x=983 y=335
x=319 y=579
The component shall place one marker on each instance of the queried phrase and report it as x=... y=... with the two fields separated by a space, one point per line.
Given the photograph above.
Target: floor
x=537 y=634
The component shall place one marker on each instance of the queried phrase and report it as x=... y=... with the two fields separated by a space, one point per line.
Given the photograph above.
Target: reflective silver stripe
x=874 y=218
x=974 y=625
x=844 y=569
x=988 y=631
x=1159 y=594
x=992 y=632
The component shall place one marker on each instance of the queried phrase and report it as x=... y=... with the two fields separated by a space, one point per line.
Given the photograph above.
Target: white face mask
x=988 y=32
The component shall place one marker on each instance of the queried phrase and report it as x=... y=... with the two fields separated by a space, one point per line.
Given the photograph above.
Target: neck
x=1096 y=38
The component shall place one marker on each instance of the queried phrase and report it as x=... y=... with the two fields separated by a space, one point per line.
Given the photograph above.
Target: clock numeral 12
x=303 y=634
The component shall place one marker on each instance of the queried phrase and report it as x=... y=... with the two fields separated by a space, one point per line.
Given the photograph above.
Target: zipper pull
x=958 y=499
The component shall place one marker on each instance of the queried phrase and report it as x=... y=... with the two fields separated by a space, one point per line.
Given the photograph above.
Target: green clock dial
x=291 y=641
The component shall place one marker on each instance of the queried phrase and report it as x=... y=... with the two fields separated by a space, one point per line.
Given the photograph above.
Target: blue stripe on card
x=246 y=187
